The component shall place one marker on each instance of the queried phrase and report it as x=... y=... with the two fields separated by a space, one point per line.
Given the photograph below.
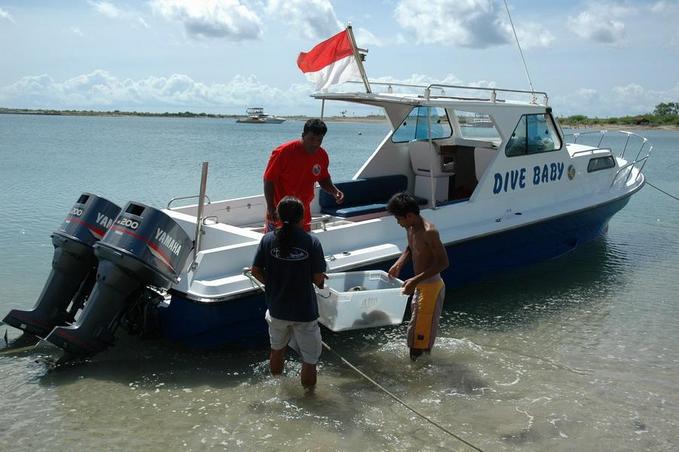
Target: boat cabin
x=445 y=146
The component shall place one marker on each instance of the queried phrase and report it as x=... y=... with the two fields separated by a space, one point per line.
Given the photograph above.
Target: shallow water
x=579 y=353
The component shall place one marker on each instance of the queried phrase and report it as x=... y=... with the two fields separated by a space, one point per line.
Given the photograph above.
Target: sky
x=598 y=58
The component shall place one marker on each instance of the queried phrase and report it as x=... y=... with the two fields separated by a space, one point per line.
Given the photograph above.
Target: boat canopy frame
x=427 y=95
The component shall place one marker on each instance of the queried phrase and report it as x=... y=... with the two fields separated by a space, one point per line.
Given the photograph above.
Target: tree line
x=664 y=114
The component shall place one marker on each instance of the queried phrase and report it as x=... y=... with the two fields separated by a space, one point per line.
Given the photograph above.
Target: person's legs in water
x=307 y=338
x=279 y=334
x=309 y=376
x=277 y=361
x=426 y=308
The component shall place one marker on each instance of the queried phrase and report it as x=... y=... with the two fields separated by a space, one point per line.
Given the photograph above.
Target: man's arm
x=269 y=190
x=438 y=263
x=258 y=273
x=319 y=279
x=318 y=265
x=403 y=259
x=327 y=185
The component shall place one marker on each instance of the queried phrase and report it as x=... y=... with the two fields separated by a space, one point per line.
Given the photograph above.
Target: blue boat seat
x=364 y=196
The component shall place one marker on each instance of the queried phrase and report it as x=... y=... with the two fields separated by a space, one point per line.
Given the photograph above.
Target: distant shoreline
x=186 y=114
x=611 y=126
x=565 y=122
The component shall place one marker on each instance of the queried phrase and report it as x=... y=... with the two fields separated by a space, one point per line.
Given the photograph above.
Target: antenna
x=525 y=67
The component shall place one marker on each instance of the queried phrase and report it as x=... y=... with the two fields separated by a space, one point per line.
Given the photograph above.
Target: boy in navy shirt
x=289 y=261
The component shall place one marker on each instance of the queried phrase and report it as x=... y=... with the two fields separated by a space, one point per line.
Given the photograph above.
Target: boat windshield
x=416 y=125
x=533 y=134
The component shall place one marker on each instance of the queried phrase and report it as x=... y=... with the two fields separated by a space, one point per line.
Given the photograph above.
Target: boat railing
x=179 y=198
x=605 y=134
x=440 y=91
x=630 y=137
x=493 y=92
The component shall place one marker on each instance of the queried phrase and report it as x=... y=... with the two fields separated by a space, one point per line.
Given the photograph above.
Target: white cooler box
x=356 y=300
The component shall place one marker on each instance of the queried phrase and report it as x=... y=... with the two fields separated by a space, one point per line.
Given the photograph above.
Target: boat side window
x=476 y=125
x=533 y=134
x=415 y=126
x=600 y=163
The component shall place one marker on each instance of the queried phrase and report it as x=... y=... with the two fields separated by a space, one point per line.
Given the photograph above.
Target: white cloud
x=76 y=31
x=364 y=38
x=312 y=19
x=662 y=6
x=588 y=94
x=101 y=90
x=629 y=91
x=111 y=11
x=665 y=15
x=466 y=23
x=422 y=80
x=594 y=28
x=107 y=9
x=417 y=83
x=601 y=22
x=5 y=15
x=230 y=19
x=531 y=35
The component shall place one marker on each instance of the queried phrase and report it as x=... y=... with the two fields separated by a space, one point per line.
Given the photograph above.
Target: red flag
x=330 y=62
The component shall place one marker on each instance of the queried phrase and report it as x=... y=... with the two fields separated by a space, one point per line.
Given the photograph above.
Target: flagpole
x=359 y=61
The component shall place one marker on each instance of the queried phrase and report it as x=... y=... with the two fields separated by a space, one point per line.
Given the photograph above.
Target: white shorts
x=303 y=337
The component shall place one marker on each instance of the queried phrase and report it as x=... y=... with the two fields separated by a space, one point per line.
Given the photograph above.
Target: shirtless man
x=429 y=258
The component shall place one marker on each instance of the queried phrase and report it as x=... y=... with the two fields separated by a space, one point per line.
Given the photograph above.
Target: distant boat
x=256 y=115
x=477 y=121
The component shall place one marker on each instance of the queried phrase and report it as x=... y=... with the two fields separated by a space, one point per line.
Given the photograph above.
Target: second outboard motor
x=86 y=223
x=143 y=247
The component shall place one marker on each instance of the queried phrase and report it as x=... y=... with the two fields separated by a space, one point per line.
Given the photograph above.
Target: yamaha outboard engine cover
x=143 y=247
x=86 y=223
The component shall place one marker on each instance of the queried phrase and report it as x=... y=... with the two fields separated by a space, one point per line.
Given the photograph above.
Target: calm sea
x=579 y=353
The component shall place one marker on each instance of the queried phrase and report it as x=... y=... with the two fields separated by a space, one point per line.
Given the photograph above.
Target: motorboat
x=256 y=115
x=505 y=195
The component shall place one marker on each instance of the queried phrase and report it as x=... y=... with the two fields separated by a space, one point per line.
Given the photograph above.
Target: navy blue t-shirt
x=289 y=279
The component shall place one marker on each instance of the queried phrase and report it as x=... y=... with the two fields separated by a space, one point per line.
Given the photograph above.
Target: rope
x=386 y=391
x=539 y=358
x=25 y=338
x=17 y=350
x=663 y=191
x=248 y=274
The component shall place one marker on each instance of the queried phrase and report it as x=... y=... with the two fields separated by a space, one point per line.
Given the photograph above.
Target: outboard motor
x=143 y=247
x=73 y=266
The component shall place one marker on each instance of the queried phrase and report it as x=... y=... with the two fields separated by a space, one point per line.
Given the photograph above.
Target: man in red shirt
x=293 y=169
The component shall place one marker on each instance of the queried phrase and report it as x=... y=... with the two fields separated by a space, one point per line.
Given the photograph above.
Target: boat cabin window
x=600 y=163
x=533 y=134
x=477 y=125
x=415 y=126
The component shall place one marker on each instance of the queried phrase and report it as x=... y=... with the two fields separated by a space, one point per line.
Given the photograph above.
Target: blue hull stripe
x=241 y=321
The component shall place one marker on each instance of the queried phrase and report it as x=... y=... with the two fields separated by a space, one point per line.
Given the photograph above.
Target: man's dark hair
x=402 y=204
x=315 y=126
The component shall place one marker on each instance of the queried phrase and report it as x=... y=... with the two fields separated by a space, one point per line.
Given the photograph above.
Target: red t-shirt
x=294 y=172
